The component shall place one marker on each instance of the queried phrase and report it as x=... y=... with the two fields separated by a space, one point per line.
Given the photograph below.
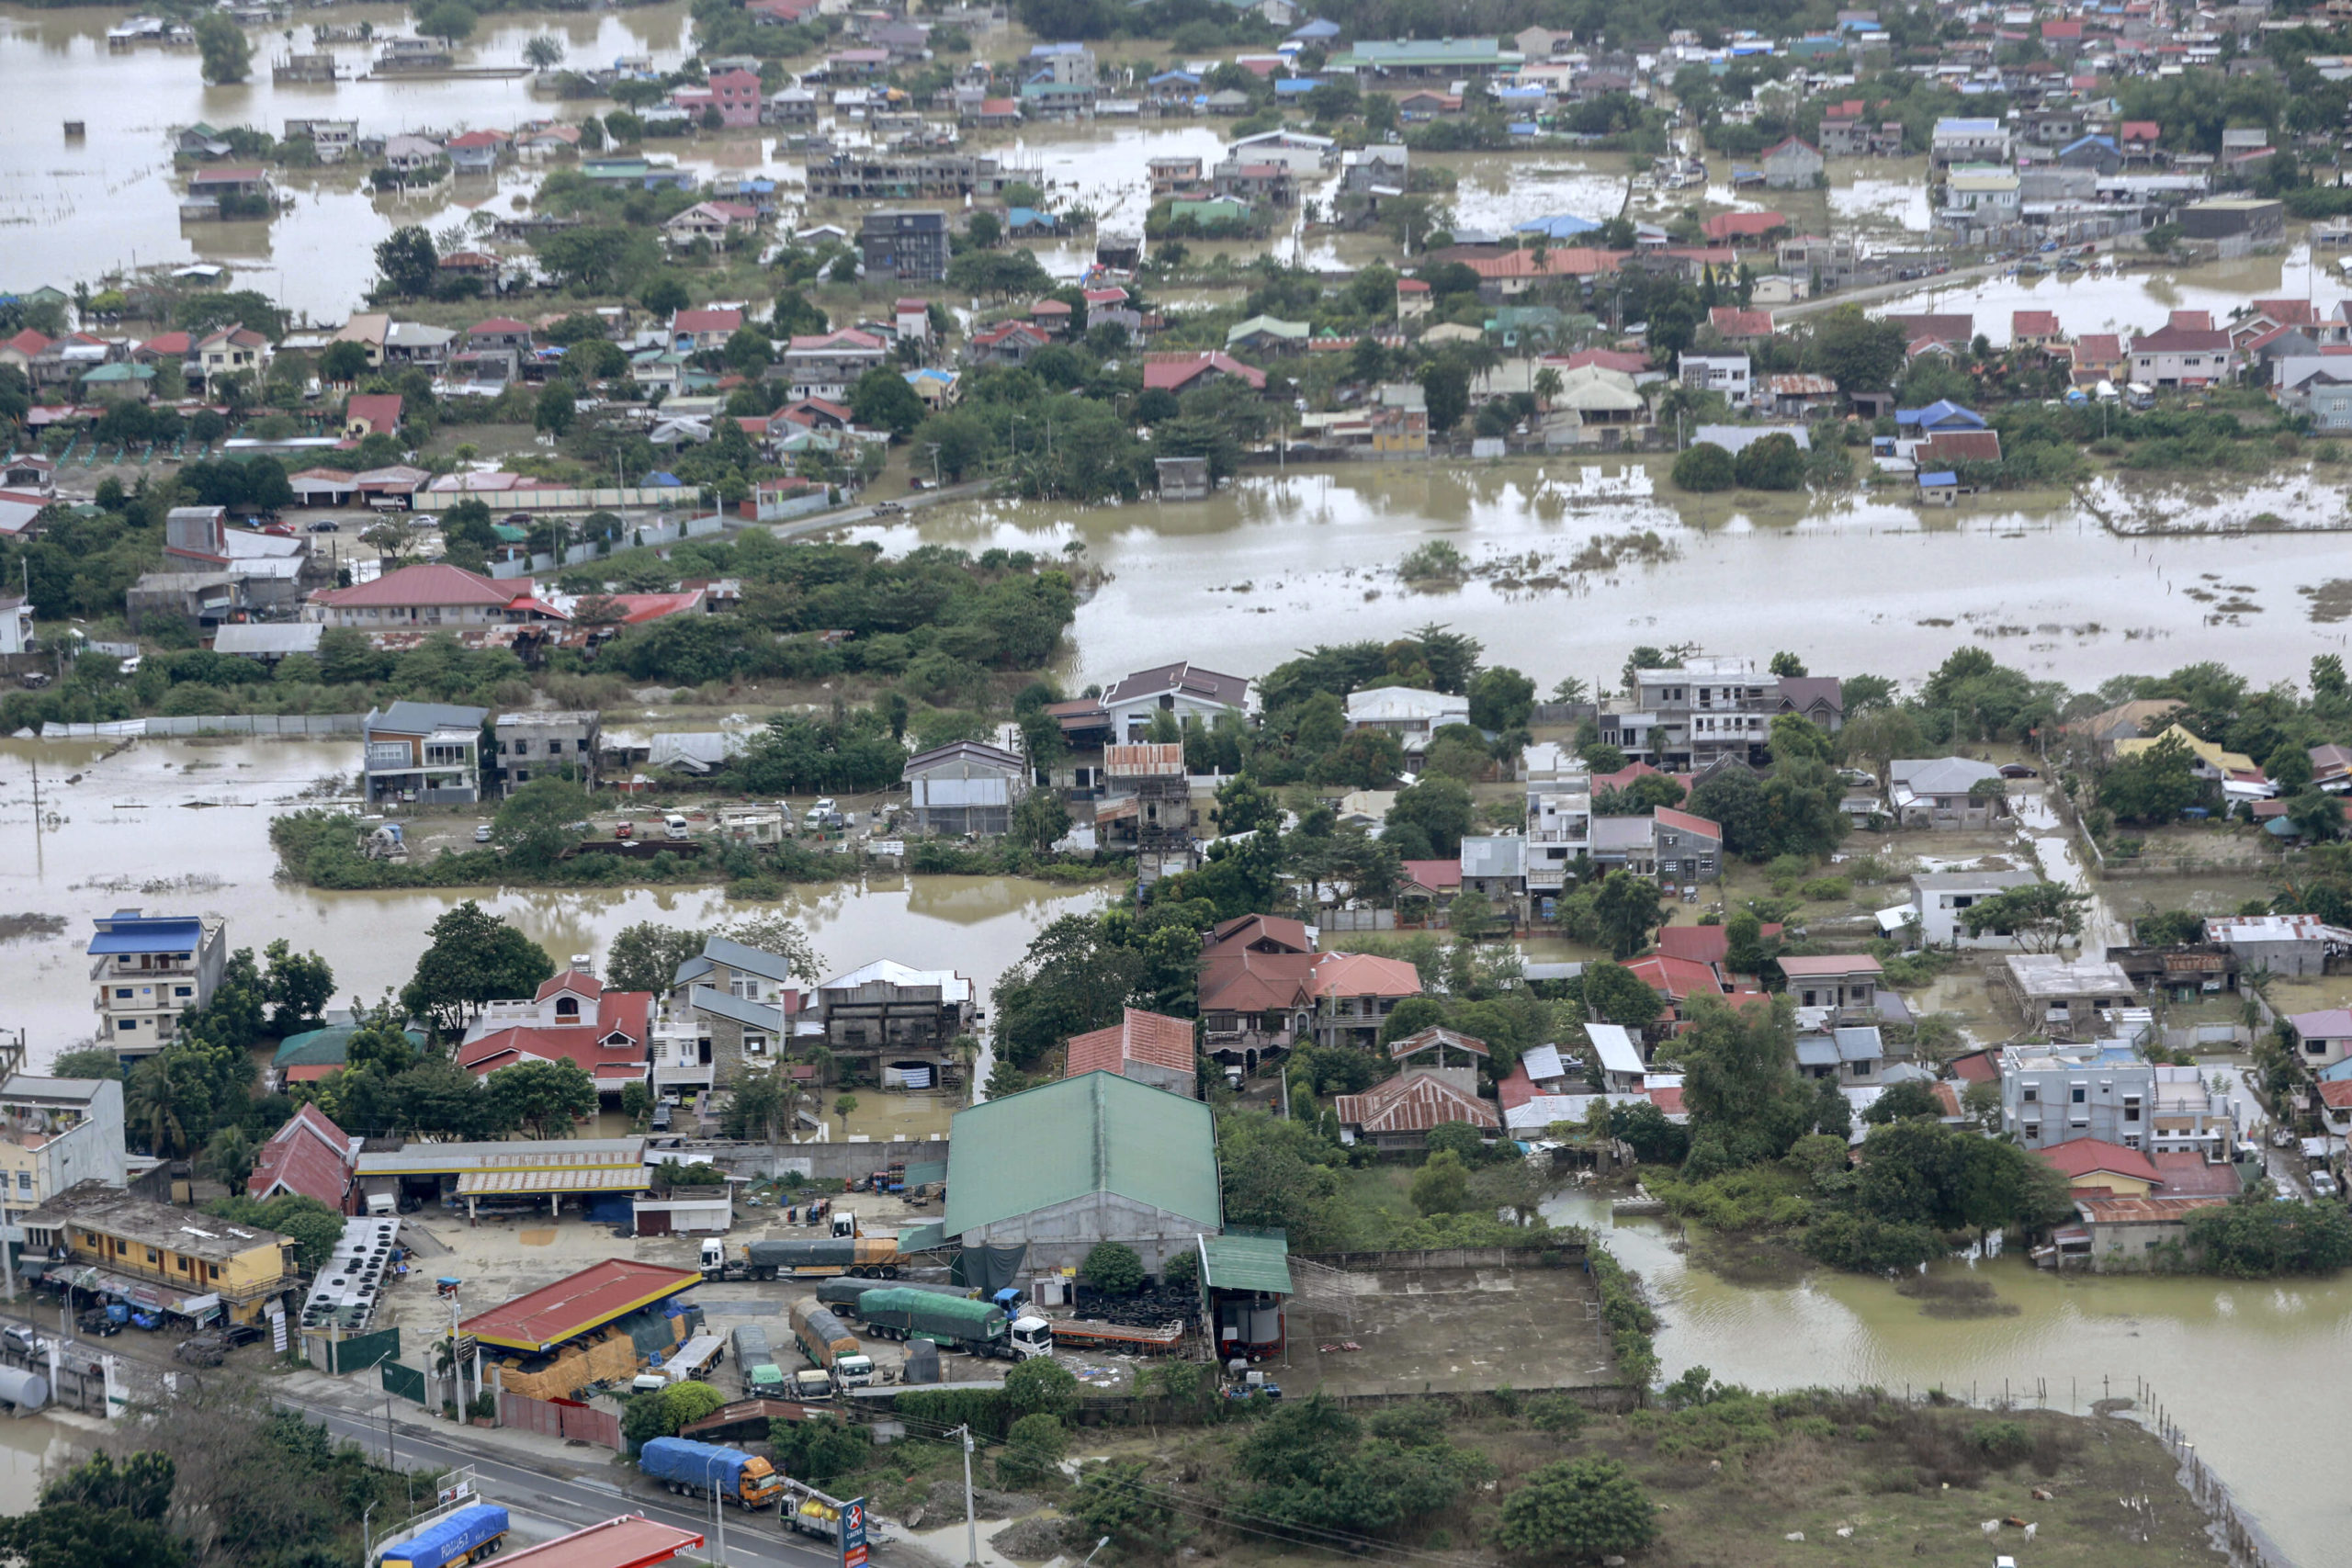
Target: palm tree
x=150 y=1105
x=1547 y=386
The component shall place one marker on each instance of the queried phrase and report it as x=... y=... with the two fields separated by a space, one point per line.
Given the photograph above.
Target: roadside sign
x=467 y=1346
x=853 y=1533
x=462 y=1487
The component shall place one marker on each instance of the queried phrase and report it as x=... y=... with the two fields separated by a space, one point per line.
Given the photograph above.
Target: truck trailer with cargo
x=763 y=1379
x=952 y=1322
x=828 y=1345
x=467 y=1536
x=698 y=1469
x=864 y=1257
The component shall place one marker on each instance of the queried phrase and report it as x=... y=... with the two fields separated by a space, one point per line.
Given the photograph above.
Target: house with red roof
x=310 y=1156
x=433 y=593
x=2178 y=356
x=710 y=222
x=827 y=364
x=371 y=414
x=2095 y=1164
x=1742 y=228
x=1678 y=980
x=1149 y=1048
x=1428 y=1091
x=1735 y=325
x=1706 y=944
x=571 y=1018
x=498 y=331
x=693 y=330
x=1182 y=372
x=2035 y=328
x=736 y=94
x=1263 y=987
x=1012 y=343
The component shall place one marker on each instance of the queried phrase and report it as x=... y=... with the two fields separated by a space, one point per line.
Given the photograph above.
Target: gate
x=362 y=1352
x=560 y=1418
x=406 y=1381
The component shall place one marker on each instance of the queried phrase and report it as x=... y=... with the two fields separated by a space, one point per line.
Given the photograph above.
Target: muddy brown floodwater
x=1275 y=564
x=185 y=826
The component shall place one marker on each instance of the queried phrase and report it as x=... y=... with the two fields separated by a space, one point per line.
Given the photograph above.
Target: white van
x=673 y=824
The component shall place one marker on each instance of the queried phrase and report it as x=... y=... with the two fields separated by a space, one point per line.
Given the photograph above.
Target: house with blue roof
x=150 y=969
x=2096 y=153
x=1557 y=226
x=1320 y=30
x=1938 y=417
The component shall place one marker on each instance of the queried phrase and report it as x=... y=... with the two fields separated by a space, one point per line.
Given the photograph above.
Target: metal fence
x=408 y=1383
x=355 y=1354
x=559 y=1418
x=161 y=727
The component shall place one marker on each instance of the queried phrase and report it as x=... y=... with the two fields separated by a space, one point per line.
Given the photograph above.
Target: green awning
x=923 y=1237
x=1246 y=1260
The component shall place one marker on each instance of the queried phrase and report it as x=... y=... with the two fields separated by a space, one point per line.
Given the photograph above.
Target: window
x=183 y=991
x=212 y=1270
x=1862 y=1069
x=2131 y=1108
x=2078 y=1093
x=2031 y=1093
x=25 y=1182
x=122 y=993
x=154 y=1257
x=2033 y=1132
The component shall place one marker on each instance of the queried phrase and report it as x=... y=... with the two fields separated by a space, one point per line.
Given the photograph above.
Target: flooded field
x=1276 y=563
x=2105 y=299
x=2257 y=1373
x=183 y=826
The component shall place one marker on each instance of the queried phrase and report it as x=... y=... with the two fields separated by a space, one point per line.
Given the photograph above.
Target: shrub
x=2003 y=1442
x=1705 y=468
x=1114 y=1268
x=1555 y=1414
x=1033 y=1451
x=1826 y=889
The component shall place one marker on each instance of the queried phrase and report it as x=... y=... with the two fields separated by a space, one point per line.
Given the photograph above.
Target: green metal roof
x=325 y=1047
x=1095 y=1133
x=1244 y=1260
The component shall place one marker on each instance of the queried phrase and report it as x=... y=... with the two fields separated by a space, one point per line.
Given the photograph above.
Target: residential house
x=433 y=595
x=965 y=788
x=1149 y=1048
x=150 y=969
x=889 y=1017
x=736 y=96
x=148 y=1254
x=234 y=350
x=730 y=1009
x=572 y=1017
x=2175 y=357
x=694 y=331
x=1940 y=900
x=1960 y=139
x=1852 y=1055
x=2293 y=947
x=1181 y=372
x=2323 y=1038
x=2240 y=777
x=1793 y=165
x=1398 y=1114
x=1263 y=986
x=534 y=743
x=829 y=365
x=56 y=1133
x=372 y=413
x=1725 y=373
x=1844 y=985
x=1616 y=1065
x=1181 y=691
x=1011 y=343
x=2036 y=329
x=711 y=223
x=1946 y=793
x=1409 y=714
x=308 y=1157
x=2061 y=997
x=1684 y=849
x=426 y=752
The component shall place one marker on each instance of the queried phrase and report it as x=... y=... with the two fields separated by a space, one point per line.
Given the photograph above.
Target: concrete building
x=1409 y=714
x=148 y=1254
x=1181 y=691
x=2064 y=997
x=536 y=745
x=1726 y=373
x=2051 y=1096
x=731 y=1008
x=1149 y=1048
x=1945 y=792
x=889 y=1017
x=56 y=1133
x=1843 y=985
x=1940 y=898
x=2290 y=946
x=1097 y=1157
x=149 y=969
x=1559 y=815
x=965 y=787
x=907 y=245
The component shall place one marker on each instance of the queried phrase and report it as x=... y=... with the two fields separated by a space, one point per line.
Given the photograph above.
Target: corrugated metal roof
x=600 y=1178
x=1097 y=1133
x=574 y=1305
x=1246 y=1260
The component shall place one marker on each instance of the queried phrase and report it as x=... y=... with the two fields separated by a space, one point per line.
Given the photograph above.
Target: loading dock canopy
x=460 y=1159
x=1246 y=1260
x=630 y=1541
x=554 y=1314
x=543 y=1180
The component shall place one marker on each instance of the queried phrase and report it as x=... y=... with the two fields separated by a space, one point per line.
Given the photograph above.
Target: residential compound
x=1702 y=712
x=2051 y=1096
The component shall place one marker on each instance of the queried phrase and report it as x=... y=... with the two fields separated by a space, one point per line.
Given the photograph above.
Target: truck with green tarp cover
x=763 y=1379
x=841 y=1294
x=955 y=1322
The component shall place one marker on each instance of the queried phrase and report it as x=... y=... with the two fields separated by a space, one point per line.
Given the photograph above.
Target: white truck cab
x=714 y=1254
x=845 y=1222
x=1032 y=1337
x=812 y=1385
x=853 y=1371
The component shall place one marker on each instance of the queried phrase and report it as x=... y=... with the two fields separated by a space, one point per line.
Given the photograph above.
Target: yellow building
x=108 y=1243
x=2212 y=761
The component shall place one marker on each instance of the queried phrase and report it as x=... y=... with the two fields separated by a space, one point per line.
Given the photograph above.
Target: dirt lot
x=1452 y=1330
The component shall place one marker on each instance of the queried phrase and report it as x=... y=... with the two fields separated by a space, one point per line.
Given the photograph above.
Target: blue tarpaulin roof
x=661 y=479
x=1557 y=226
x=1943 y=479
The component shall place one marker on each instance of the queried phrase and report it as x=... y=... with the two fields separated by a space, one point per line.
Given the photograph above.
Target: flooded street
x=1275 y=564
x=126 y=836
x=2257 y=1373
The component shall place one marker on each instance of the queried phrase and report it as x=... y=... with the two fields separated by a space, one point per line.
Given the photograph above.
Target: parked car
x=23 y=1341
x=326 y=526
x=888 y=509
x=2017 y=771
x=2322 y=1184
x=481 y=832
x=202 y=1350
x=623 y=830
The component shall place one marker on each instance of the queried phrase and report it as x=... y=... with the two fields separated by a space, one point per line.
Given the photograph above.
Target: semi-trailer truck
x=698 y=1469
x=841 y=1294
x=1083 y=1334
x=830 y=1346
x=467 y=1536
x=862 y=1257
x=975 y=1327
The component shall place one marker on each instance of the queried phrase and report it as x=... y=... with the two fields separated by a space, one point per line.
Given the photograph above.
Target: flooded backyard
x=185 y=826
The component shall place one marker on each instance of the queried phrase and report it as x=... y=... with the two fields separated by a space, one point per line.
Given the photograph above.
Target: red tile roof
x=2089 y=1156
x=1668 y=816
x=1154 y=1039
x=1364 y=974
x=435 y=582
x=2033 y=323
x=1742 y=225
x=1704 y=944
x=1434 y=874
x=310 y=1156
x=577 y=1305
x=2336 y=1093
x=1172 y=373
x=706 y=321
x=1413 y=1103
x=380 y=410
x=1667 y=1101
x=498 y=326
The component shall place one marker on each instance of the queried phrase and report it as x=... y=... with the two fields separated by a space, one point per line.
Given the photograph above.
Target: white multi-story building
x=149 y=969
x=1559 y=815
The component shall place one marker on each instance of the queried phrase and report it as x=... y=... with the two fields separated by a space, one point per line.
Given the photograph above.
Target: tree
x=2153 y=786
x=448 y=21
x=1076 y=976
x=1440 y=808
x=153 y=1108
x=1112 y=1268
x=882 y=401
x=1501 y=698
x=1033 y=1451
x=343 y=362
x=1773 y=463
x=545 y=51
x=1443 y=1185
x=537 y=823
x=1445 y=388
x=821 y=1448
x=1041 y=1387
x=473 y=958
x=1629 y=909
x=1788 y=666
x=1577 y=1508
x=844 y=1107
x=228 y=1157
x=298 y=987
x=1861 y=353
x=2041 y=915
x=1040 y=820
x=1113 y=1500
x=546 y=1096
x=90 y=1062
x=1621 y=996
x=1741 y=1082
x=1276 y=1172
x=1704 y=467
x=1900 y=1102
x=557 y=408
x=227 y=55
x=647 y=955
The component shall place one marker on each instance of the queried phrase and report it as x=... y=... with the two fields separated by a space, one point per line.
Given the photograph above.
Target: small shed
x=1939 y=489
x=1184 y=478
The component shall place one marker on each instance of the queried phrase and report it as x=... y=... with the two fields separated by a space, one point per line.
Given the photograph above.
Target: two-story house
x=1559 y=818
x=1942 y=900
x=570 y=1018
x=1698 y=713
x=730 y=1009
x=546 y=744
x=2180 y=356
x=149 y=969
x=1263 y=987
x=1844 y=985
x=1409 y=714
x=828 y=365
x=56 y=1133
x=1726 y=373
x=1181 y=691
x=423 y=752
x=895 y=1022
x=965 y=787
x=148 y=1254
x=234 y=350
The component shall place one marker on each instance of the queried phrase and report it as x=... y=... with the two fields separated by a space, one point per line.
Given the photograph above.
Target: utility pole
x=971 y=1531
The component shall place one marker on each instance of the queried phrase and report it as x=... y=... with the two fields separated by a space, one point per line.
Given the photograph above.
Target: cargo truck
x=697 y=1469
x=1083 y=1334
x=763 y=1379
x=975 y=1327
x=862 y=1257
x=825 y=1342
x=467 y=1536
x=841 y=1294
x=811 y=1512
